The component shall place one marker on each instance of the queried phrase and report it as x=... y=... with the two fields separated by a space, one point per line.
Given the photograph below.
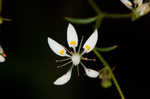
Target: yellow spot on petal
x=87 y=47
x=73 y=43
x=61 y=52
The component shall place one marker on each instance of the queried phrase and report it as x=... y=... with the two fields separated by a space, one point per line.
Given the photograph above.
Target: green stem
x=109 y=69
x=99 y=21
x=95 y=7
x=117 y=15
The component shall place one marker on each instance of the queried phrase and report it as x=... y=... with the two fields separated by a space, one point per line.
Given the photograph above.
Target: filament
x=67 y=51
x=74 y=49
x=78 y=70
x=64 y=64
x=62 y=60
x=83 y=65
x=80 y=44
x=84 y=51
x=87 y=59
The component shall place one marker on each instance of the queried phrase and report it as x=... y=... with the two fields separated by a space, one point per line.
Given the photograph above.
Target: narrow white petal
x=72 y=37
x=91 y=73
x=2 y=59
x=63 y=79
x=127 y=3
x=56 y=47
x=91 y=42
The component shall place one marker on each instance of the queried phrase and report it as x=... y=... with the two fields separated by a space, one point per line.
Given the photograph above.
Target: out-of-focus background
x=30 y=69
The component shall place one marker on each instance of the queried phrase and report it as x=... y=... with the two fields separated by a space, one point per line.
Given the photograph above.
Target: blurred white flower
x=75 y=57
x=138 y=6
x=2 y=55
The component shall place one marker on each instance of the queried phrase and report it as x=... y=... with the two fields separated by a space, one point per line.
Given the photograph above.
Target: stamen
x=74 y=49
x=71 y=52
x=64 y=64
x=80 y=44
x=84 y=51
x=62 y=60
x=78 y=70
x=86 y=59
x=4 y=55
x=83 y=65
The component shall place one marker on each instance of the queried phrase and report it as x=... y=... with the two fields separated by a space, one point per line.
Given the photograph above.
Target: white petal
x=127 y=3
x=57 y=48
x=2 y=59
x=63 y=79
x=142 y=10
x=91 y=73
x=138 y=2
x=72 y=37
x=91 y=42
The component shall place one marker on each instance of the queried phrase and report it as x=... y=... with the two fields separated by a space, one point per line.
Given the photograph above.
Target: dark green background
x=30 y=69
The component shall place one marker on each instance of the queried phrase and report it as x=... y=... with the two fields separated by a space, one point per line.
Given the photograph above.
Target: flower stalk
x=109 y=69
x=117 y=15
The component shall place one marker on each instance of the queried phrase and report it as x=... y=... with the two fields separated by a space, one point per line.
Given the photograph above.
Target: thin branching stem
x=109 y=69
x=117 y=15
x=95 y=7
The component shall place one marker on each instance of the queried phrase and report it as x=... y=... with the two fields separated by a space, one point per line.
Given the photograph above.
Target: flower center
x=75 y=59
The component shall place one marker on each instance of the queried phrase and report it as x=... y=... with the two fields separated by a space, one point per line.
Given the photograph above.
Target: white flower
x=2 y=55
x=76 y=56
x=137 y=6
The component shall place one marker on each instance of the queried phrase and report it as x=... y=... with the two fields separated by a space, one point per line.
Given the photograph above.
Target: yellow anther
x=128 y=4
x=61 y=52
x=88 y=47
x=73 y=43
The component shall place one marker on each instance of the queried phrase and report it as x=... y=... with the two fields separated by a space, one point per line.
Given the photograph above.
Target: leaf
x=107 y=49
x=81 y=20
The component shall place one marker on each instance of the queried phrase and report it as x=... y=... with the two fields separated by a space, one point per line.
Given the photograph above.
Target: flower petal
x=91 y=42
x=63 y=79
x=2 y=59
x=142 y=10
x=91 y=73
x=138 y=2
x=127 y=3
x=56 y=47
x=72 y=37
